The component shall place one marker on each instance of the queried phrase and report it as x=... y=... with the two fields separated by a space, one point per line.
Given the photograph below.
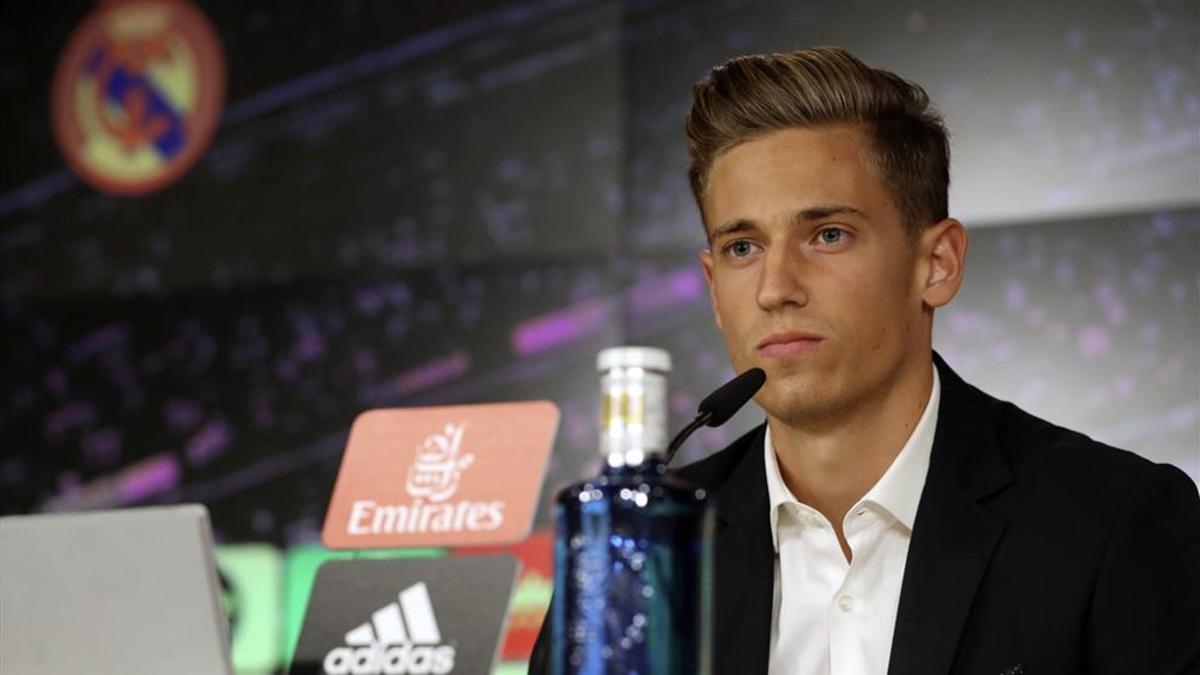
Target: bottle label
x=633 y=414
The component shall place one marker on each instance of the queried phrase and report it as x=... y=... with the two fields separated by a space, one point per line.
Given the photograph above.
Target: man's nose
x=781 y=282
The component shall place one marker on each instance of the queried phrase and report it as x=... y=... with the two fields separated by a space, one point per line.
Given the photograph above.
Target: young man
x=889 y=517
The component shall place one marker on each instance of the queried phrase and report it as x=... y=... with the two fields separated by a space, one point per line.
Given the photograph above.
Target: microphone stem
x=682 y=436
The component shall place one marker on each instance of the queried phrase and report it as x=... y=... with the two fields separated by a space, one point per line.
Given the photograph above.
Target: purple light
x=556 y=328
x=432 y=373
x=686 y=284
x=308 y=347
x=209 y=443
x=182 y=415
x=148 y=477
x=67 y=417
x=653 y=295
x=98 y=341
x=103 y=446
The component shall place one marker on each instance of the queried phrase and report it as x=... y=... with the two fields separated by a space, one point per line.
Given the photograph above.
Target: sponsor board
x=531 y=599
x=402 y=616
x=300 y=573
x=445 y=476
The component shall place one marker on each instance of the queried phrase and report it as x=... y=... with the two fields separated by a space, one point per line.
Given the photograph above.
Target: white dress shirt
x=831 y=617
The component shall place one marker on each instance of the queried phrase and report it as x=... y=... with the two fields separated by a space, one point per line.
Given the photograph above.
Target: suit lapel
x=953 y=540
x=745 y=570
x=953 y=535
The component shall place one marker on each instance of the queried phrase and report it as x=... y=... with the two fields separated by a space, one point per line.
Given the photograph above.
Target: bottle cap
x=650 y=358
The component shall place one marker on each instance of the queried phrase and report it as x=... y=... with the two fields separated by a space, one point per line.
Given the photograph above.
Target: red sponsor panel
x=531 y=598
x=447 y=476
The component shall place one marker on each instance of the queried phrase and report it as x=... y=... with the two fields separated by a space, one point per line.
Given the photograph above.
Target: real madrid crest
x=137 y=94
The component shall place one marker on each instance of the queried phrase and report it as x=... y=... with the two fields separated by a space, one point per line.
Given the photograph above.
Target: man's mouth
x=782 y=345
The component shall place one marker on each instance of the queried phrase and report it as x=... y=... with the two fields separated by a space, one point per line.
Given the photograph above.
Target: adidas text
x=399 y=660
x=401 y=637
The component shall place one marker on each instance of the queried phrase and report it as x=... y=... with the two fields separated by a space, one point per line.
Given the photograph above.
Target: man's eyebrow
x=826 y=211
x=811 y=214
x=732 y=227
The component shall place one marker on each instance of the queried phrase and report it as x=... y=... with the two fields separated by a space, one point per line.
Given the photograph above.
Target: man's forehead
x=791 y=171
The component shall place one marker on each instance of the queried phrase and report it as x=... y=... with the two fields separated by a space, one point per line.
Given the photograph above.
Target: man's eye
x=831 y=235
x=740 y=248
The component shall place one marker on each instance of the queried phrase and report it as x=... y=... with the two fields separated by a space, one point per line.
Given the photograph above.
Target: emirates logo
x=438 y=467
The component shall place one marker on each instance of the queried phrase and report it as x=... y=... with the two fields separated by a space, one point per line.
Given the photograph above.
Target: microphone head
x=731 y=396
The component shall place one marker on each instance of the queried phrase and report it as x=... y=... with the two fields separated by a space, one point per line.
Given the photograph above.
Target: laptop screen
x=125 y=591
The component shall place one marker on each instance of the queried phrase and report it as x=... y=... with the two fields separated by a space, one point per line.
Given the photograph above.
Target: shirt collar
x=898 y=491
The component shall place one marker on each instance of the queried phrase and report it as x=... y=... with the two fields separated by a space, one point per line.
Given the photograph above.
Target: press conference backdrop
x=423 y=203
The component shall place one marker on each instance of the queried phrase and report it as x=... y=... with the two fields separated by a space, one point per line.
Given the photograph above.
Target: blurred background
x=412 y=203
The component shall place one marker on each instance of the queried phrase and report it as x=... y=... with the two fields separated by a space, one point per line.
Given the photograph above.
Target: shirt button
x=846 y=602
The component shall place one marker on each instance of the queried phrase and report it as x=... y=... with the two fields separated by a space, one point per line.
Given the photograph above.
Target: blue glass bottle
x=632 y=557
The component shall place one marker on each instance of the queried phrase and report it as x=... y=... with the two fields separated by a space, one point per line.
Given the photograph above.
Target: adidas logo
x=401 y=637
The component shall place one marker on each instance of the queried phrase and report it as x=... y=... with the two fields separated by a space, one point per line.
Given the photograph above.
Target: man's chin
x=791 y=382
x=795 y=396
x=798 y=375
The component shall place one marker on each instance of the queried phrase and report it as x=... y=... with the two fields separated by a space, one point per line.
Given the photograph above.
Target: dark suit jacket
x=1035 y=550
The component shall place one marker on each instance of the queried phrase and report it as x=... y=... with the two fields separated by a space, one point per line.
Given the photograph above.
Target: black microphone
x=719 y=406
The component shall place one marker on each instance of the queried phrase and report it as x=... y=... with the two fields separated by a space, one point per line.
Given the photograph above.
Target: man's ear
x=942 y=257
x=706 y=261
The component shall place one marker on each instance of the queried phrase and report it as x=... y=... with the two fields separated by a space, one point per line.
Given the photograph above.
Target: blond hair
x=750 y=96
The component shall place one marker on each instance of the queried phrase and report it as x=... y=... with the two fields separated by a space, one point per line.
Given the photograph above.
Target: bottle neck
x=634 y=459
x=650 y=464
x=633 y=416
